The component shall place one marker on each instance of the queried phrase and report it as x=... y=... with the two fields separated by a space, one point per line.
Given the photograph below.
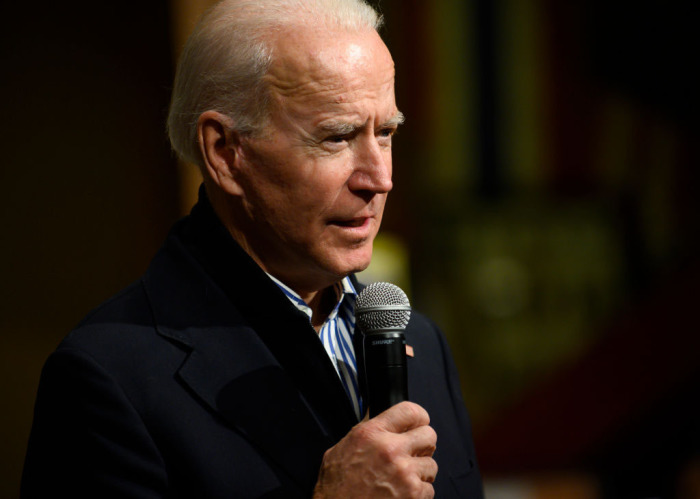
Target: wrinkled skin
x=306 y=196
x=389 y=455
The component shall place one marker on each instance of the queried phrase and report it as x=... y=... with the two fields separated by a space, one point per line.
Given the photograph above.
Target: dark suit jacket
x=202 y=380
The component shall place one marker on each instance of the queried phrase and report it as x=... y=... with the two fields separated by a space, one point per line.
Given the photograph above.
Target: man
x=228 y=369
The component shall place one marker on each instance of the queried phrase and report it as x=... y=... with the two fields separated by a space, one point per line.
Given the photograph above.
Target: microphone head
x=382 y=306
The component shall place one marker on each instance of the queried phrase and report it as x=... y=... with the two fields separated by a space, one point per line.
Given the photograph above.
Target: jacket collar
x=254 y=359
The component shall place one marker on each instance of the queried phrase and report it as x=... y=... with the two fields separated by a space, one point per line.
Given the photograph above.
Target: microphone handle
x=385 y=369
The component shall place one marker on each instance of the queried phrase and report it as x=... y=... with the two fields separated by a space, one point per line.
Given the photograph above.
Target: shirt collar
x=344 y=288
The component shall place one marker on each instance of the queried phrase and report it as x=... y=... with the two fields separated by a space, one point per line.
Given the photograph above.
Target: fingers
x=413 y=442
x=426 y=468
x=421 y=442
x=386 y=456
x=402 y=417
x=411 y=421
x=418 y=475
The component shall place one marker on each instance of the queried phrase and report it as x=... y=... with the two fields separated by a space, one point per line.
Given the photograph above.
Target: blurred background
x=545 y=213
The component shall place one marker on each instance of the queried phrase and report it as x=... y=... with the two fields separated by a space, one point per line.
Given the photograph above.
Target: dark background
x=546 y=189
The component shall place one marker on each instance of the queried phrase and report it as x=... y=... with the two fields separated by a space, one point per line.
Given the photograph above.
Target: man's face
x=316 y=180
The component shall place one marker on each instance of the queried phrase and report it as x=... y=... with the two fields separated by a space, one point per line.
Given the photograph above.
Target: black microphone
x=382 y=311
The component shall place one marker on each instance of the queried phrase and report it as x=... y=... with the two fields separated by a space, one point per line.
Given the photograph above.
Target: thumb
x=402 y=417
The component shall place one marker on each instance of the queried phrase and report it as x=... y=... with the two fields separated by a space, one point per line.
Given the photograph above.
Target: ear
x=218 y=143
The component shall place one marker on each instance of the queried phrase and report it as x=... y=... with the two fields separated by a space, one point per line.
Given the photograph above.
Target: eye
x=384 y=135
x=335 y=143
x=336 y=139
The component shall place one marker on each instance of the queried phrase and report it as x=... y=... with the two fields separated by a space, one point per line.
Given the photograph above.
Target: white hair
x=227 y=55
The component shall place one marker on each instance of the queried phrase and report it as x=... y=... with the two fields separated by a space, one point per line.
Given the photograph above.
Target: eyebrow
x=345 y=128
x=396 y=120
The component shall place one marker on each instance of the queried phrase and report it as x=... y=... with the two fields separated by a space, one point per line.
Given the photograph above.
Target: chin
x=358 y=261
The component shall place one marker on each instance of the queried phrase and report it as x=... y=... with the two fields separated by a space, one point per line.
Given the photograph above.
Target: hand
x=389 y=455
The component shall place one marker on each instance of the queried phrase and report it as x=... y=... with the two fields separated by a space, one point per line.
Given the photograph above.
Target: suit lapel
x=266 y=373
x=245 y=385
x=284 y=330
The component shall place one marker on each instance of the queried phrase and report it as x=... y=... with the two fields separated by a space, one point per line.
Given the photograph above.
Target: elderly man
x=228 y=369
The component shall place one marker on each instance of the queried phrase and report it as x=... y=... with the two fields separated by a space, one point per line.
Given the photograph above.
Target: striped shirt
x=336 y=336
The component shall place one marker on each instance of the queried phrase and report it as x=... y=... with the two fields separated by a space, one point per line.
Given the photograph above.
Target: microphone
x=382 y=311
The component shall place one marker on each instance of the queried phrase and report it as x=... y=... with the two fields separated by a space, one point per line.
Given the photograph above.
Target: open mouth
x=355 y=222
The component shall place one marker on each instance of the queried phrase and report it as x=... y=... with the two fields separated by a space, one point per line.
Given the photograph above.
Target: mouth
x=351 y=223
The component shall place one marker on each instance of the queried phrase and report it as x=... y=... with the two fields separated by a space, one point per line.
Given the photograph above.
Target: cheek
x=293 y=211
x=323 y=193
x=291 y=189
x=270 y=191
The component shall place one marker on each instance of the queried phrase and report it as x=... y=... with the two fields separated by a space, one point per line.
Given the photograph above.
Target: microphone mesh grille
x=381 y=294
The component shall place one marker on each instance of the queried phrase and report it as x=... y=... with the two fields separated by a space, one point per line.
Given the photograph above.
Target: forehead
x=333 y=64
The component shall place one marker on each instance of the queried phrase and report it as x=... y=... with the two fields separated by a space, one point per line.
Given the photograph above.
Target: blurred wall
x=549 y=171
x=89 y=185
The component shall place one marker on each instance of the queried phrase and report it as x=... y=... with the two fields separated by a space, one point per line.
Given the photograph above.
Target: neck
x=321 y=304
x=320 y=296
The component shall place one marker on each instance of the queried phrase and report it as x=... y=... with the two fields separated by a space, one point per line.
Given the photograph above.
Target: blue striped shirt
x=336 y=336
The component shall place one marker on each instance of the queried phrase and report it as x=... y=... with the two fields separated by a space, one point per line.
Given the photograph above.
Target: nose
x=372 y=171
